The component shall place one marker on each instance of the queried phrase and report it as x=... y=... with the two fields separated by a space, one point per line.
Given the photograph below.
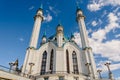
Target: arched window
x=67 y=61
x=51 y=61
x=43 y=66
x=75 y=63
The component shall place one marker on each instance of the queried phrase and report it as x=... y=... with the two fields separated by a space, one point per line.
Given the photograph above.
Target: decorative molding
x=87 y=48
x=31 y=48
x=36 y=16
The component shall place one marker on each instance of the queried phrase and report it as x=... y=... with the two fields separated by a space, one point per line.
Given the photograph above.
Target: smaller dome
x=72 y=37
x=59 y=28
x=44 y=40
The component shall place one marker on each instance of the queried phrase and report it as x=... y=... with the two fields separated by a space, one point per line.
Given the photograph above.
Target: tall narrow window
x=43 y=66
x=75 y=64
x=67 y=61
x=51 y=61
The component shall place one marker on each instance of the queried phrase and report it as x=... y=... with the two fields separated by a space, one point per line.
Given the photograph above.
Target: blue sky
x=102 y=22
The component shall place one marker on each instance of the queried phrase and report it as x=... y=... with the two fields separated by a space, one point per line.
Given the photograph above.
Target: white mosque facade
x=58 y=58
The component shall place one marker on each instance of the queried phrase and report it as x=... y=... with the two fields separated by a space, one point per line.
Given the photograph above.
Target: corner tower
x=89 y=59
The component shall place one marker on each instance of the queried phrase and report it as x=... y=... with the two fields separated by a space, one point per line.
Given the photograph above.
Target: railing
x=15 y=72
x=59 y=72
x=18 y=73
x=3 y=68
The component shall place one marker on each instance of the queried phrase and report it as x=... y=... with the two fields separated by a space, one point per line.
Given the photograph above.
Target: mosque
x=58 y=58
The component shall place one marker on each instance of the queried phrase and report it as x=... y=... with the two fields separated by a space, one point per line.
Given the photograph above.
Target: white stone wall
x=35 y=56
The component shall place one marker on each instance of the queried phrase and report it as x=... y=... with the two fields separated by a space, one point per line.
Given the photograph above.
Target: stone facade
x=59 y=58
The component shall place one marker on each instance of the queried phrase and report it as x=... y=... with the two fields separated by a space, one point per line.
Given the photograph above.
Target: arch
x=75 y=63
x=44 y=60
x=51 y=60
x=67 y=61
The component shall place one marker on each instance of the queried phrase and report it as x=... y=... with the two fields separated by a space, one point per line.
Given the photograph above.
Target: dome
x=59 y=28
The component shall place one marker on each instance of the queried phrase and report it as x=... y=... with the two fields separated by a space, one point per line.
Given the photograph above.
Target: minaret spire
x=41 y=6
x=36 y=29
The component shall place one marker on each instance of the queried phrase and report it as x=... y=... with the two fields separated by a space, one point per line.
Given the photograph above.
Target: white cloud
x=48 y=18
x=118 y=14
x=77 y=38
x=89 y=31
x=100 y=34
x=21 y=39
x=112 y=67
x=94 y=7
x=112 y=17
x=116 y=10
x=94 y=23
x=109 y=49
x=98 y=4
x=31 y=8
x=118 y=35
x=54 y=10
x=118 y=78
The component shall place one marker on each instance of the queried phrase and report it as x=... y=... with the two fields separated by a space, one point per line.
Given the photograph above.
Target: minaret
x=59 y=35
x=92 y=72
x=36 y=29
x=29 y=62
x=82 y=27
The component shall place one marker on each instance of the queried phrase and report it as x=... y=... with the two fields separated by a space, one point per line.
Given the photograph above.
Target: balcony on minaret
x=39 y=13
x=79 y=13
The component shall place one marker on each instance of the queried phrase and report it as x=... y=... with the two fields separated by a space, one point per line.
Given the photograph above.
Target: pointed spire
x=59 y=24
x=41 y=6
x=44 y=35
x=16 y=62
x=78 y=7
